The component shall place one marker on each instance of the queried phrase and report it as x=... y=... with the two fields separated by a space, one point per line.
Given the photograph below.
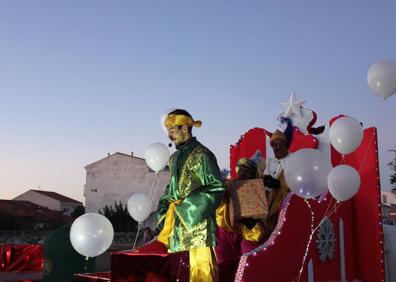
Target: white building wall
x=388 y=198
x=116 y=178
x=40 y=199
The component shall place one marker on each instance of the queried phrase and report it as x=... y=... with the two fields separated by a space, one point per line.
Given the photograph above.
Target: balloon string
x=327 y=209
x=331 y=212
x=86 y=263
x=336 y=206
x=309 y=241
x=152 y=184
x=137 y=233
x=327 y=214
x=156 y=186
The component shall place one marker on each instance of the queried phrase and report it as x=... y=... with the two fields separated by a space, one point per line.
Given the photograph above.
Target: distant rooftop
x=28 y=209
x=116 y=153
x=57 y=196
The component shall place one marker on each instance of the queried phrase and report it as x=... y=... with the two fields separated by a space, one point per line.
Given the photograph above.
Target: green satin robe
x=195 y=179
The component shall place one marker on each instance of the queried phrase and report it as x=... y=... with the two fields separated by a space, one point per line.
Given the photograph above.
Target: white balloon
x=343 y=182
x=157 y=156
x=381 y=78
x=91 y=234
x=346 y=134
x=139 y=206
x=306 y=173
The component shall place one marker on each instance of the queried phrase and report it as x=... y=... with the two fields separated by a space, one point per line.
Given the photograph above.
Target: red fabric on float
x=21 y=262
x=251 y=141
x=361 y=218
x=150 y=263
x=366 y=208
x=301 y=140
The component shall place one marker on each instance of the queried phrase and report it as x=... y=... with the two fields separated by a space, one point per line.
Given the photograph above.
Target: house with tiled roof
x=51 y=200
x=388 y=201
x=15 y=215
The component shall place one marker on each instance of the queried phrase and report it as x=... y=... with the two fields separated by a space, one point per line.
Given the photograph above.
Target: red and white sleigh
x=353 y=237
x=347 y=247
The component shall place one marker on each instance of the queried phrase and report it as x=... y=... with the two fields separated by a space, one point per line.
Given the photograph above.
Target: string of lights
x=243 y=263
x=381 y=233
x=309 y=240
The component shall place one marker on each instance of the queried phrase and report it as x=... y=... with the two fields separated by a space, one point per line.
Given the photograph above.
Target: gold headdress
x=178 y=120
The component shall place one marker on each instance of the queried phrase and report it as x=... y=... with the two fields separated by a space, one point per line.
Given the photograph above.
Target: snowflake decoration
x=326 y=240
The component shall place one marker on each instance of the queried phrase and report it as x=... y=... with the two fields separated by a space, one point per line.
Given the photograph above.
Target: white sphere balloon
x=381 y=78
x=346 y=134
x=343 y=182
x=157 y=156
x=306 y=173
x=139 y=206
x=91 y=234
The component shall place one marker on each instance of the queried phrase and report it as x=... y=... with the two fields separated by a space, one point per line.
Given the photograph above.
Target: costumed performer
x=187 y=211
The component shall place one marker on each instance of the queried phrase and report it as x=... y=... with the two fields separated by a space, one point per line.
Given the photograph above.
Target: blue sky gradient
x=79 y=79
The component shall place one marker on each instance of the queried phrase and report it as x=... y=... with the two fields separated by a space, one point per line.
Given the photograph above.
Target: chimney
x=108 y=154
x=131 y=154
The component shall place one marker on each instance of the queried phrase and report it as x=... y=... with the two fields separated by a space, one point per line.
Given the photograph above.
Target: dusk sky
x=80 y=79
